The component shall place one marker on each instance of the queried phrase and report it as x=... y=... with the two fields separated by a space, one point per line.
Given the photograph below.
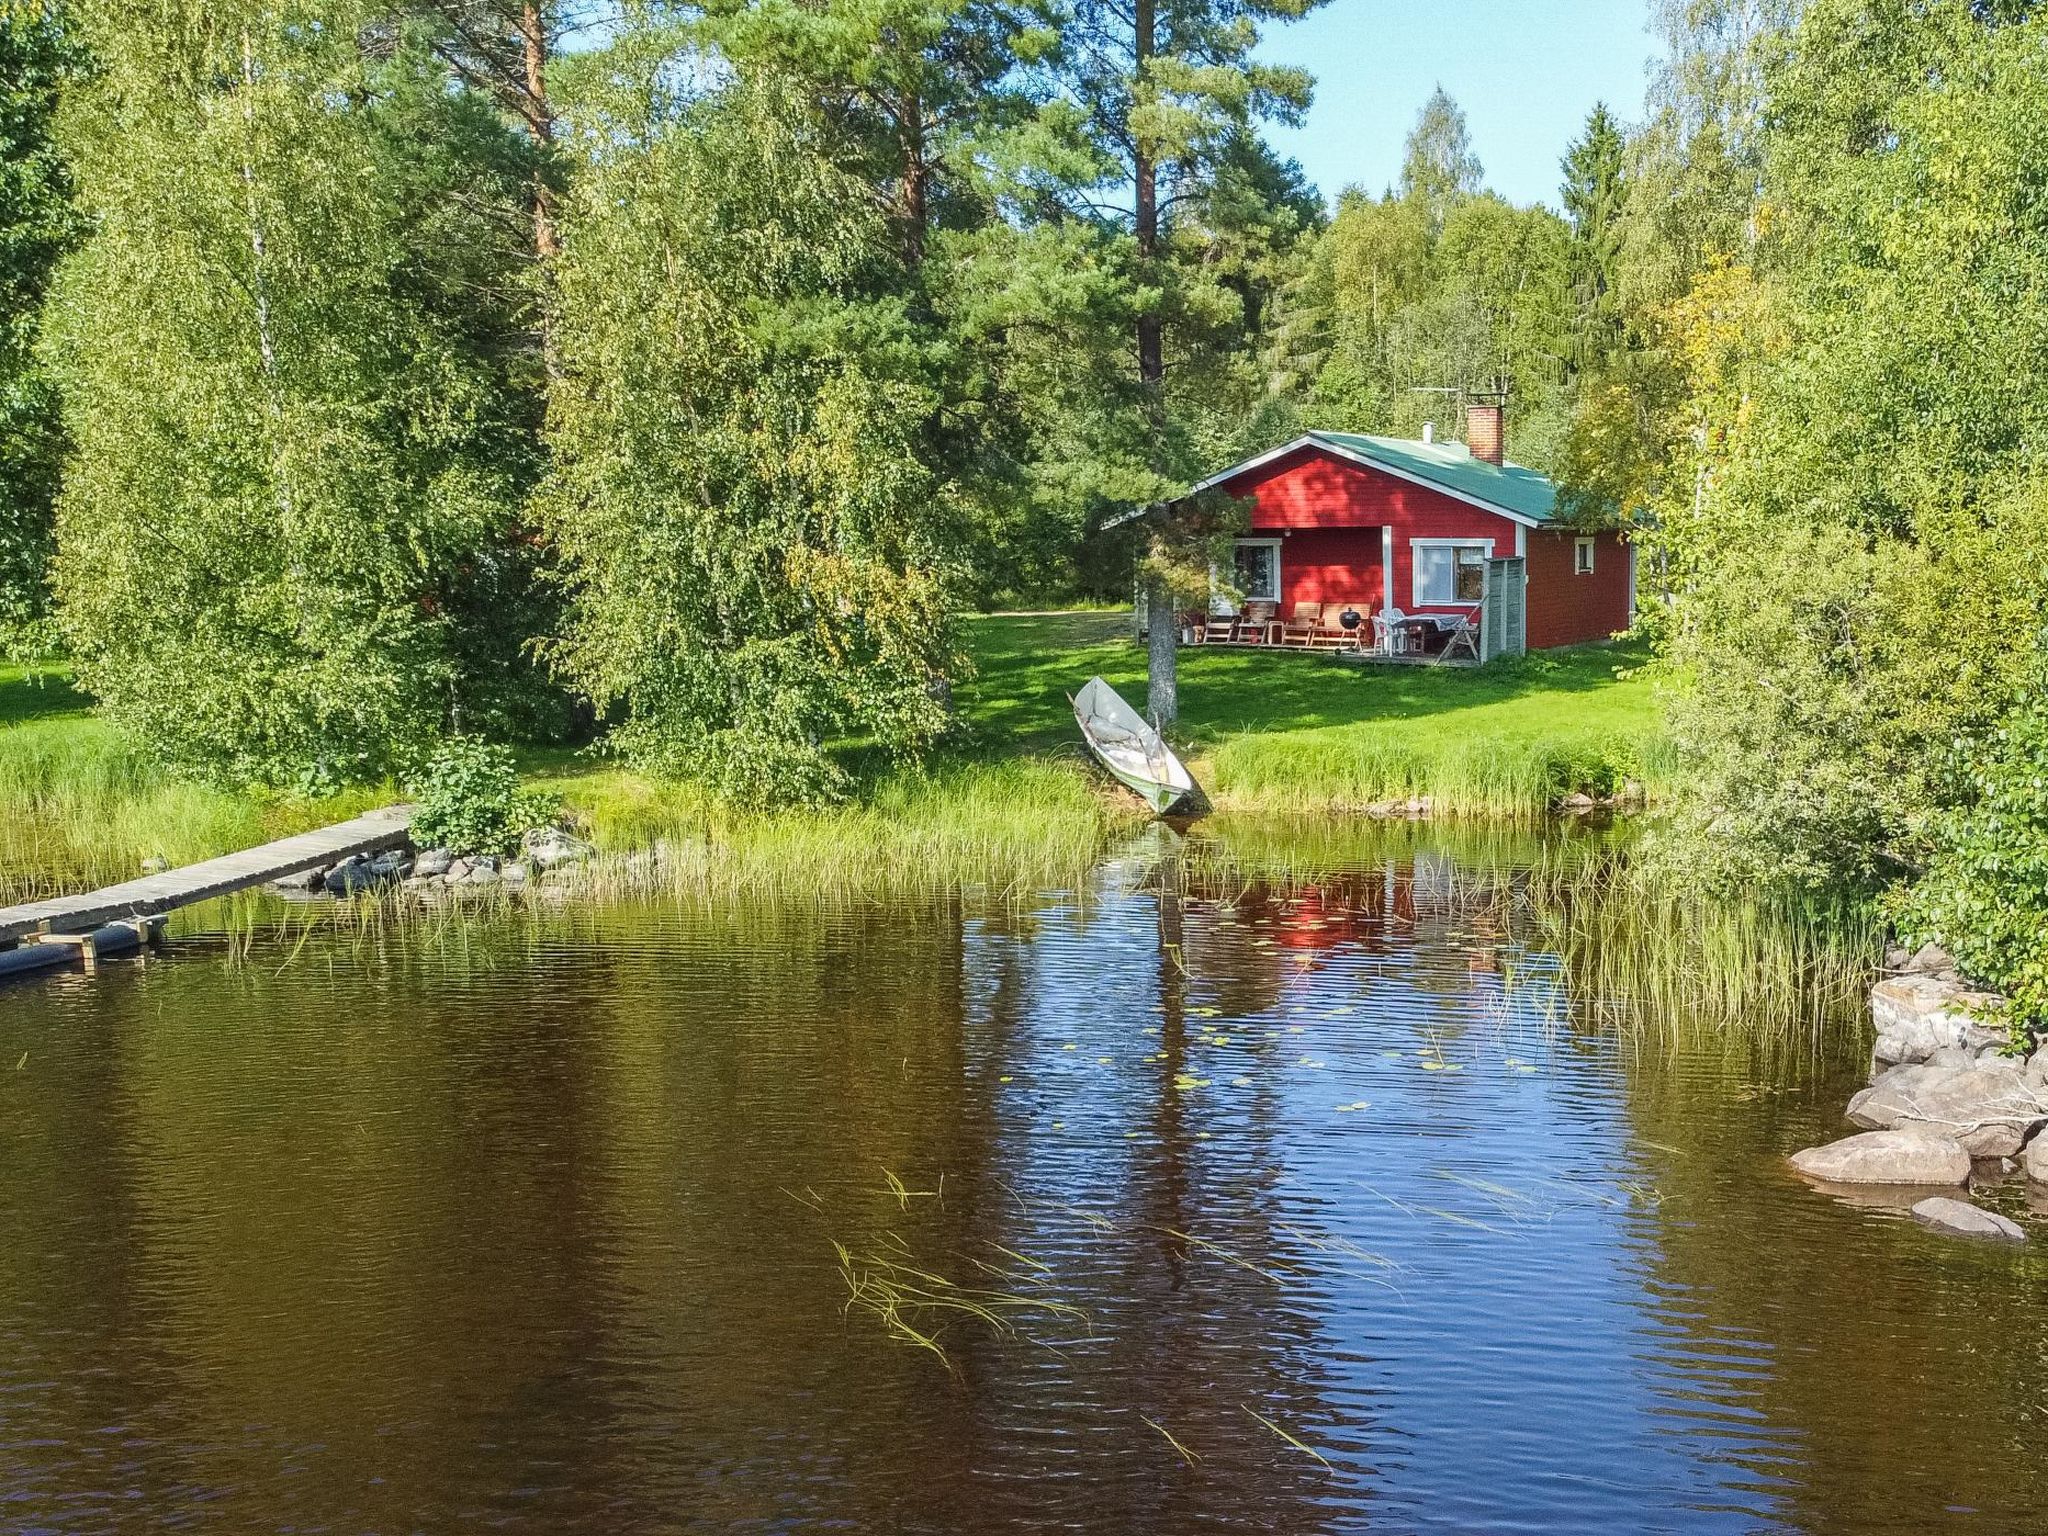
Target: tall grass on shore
x=1652 y=958
x=1022 y=824
x=1502 y=776
x=1637 y=953
x=80 y=806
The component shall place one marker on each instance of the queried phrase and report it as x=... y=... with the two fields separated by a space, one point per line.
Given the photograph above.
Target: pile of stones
x=542 y=852
x=1947 y=1106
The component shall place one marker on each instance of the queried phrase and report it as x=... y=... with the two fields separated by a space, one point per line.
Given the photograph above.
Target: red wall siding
x=1328 y=513
x=1569 y=609
x=1330 y=565
x=1308 y=494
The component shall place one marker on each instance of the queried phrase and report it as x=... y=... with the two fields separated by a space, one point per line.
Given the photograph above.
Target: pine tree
x=1155 y=100
x=1593 y=193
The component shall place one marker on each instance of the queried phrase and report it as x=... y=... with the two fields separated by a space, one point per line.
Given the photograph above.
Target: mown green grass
x=1288 y=730
x=1014 y=799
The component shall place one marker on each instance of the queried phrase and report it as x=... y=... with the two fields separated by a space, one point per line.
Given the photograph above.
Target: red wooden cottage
x=1384 y=523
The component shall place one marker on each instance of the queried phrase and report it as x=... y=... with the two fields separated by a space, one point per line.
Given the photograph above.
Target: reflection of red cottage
x=1383 y=522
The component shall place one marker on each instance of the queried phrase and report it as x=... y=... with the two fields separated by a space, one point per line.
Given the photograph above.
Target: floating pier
x=115 y=917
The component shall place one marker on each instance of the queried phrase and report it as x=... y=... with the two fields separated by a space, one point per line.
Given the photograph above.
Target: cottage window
x=1450 y=571
x=1256 y=572
x=1582 y=558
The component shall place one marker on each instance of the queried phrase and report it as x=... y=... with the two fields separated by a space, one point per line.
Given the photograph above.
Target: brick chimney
x=1483 y=432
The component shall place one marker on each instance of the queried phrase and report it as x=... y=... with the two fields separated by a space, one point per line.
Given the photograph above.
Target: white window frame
x=1416 y=546
x=1230 y=605
x=1582 y=556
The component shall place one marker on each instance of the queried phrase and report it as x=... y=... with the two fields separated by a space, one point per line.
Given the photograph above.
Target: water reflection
x=1346 y=1216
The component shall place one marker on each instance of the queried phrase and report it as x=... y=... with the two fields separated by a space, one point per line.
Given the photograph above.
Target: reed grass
x=80 y=805
x=1613 y=943
x=1025 y=824
x=1653 y=958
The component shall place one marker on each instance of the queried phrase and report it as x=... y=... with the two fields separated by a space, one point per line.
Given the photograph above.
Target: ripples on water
x=537 y=1227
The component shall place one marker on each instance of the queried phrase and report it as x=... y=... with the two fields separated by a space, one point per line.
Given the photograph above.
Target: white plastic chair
x=1390 y=631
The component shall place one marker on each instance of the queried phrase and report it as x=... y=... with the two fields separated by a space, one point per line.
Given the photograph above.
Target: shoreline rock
x=1887 y=1157
x=1988 y=1106
x=1966 y=1220
x=1946 y=1102
x=1917 y=1014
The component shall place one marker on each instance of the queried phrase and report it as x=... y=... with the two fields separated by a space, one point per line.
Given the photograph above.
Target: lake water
x=1322 y=1208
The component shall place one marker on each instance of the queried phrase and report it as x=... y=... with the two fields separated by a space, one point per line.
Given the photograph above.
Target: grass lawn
x=1263 y=731
x=1298 y=731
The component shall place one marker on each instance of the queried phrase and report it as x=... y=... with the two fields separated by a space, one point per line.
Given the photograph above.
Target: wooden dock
x=159 y=893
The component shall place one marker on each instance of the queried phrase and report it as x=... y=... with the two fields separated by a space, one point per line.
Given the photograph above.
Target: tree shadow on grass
x=1026 y=667
x=43 y=693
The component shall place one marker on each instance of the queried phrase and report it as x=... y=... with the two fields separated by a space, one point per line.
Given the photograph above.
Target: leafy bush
x=1984 y=896
x=468 y=800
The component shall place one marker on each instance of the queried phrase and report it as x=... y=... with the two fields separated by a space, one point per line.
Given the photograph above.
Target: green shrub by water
x=468 y=799
x=1984 y=895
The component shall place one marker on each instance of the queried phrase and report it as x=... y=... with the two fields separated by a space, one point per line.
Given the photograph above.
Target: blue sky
x=1525 y=71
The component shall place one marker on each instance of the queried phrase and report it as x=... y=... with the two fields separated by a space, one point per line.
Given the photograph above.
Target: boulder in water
x=1886 y=1157
x=1967 y=1220
x=1988 y=1107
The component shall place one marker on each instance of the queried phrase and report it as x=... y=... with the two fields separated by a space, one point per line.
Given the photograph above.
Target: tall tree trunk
x=1162 y=663
x=1162 y=670
x=540 y=120
x=915 y=191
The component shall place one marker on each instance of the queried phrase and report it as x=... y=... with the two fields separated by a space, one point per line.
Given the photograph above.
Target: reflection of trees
x=437 y=1233
x=1185 y=1332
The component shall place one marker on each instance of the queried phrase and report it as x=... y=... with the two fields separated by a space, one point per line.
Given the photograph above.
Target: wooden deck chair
x=1331 y=633
x=1464 y=640
x=1300 y=629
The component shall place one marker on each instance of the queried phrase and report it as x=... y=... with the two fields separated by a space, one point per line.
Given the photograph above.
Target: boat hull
x=1134 y=754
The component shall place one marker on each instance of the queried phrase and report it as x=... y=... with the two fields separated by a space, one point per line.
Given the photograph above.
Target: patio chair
x=1258 y=622
x=1302 y=627
x=1330 y=633
x=1390 y=632
x=1197 y=627
x=1463 y=641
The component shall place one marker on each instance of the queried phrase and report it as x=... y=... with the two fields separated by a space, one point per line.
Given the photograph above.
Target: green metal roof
x=1451 y=466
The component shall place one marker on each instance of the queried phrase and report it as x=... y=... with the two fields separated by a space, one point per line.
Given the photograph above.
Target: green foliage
x=758 y=545
x=1853 y=525
x=1984 y=896
x=1409 y=304
x=1439 y=170
x=37 y=224
x=1594 y=193
x=468 y=799
x=295 y=371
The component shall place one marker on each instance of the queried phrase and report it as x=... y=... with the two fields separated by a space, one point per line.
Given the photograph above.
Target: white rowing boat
x=1134 y=753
